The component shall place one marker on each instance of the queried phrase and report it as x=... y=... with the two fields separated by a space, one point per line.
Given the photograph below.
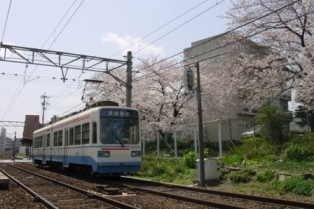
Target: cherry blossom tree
x=157 y=91
x=284 y=28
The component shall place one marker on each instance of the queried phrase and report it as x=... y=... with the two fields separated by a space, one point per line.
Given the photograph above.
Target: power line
x=216 y=37
x=17 y=94
x=161 y=27
x=59 y=23
x=6 y=21
x=181 y=25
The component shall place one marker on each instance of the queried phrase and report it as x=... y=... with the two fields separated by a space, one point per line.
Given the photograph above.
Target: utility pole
x=44 y=103
x=14 y=144
x=129 y=79
x=200 y=126
x=189 y=85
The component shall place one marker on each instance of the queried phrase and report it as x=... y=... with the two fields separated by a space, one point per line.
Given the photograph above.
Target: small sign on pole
x=188 y=78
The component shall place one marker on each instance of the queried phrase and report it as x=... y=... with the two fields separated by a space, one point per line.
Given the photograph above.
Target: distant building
x=31 y=124
x=6 y=143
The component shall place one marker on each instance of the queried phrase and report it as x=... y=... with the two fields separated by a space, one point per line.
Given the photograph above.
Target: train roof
x=89 y=108
x=97 y=104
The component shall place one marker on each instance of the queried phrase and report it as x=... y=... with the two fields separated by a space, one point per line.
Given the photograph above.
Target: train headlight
x=136 y=154
x=103 y=153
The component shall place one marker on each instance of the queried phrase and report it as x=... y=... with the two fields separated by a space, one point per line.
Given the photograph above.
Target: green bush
x=234 y=159
x=296 y=153
x=289 y=184
x=166 y=169
x=238 y=177
x=222 y=173
x=190 y=159
x=296 y=185
x=256 y=148
x=304 y=187
x=304 y=141
x=266 y=176
x=242 y=176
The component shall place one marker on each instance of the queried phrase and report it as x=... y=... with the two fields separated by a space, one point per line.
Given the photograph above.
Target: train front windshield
x=119 y=126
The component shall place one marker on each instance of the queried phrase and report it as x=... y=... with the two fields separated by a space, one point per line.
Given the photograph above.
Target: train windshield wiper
x=118 y=139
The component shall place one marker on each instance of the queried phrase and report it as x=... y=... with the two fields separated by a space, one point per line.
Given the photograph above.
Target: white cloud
x=128 y=43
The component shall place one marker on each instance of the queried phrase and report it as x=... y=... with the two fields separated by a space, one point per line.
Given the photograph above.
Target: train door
x=66 y=144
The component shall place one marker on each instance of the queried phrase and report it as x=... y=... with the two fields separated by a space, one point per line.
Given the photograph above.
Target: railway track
x=55 y=194
x=131 y=200
x=146 y=192
x=250 y=201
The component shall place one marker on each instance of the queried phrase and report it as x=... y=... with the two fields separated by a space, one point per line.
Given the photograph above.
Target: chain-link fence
x=223 y=130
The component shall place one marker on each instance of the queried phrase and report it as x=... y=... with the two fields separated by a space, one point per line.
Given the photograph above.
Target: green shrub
x=166 y=169
x=238 y=177
x=222 y=173
x=242 y=176
x=296 y=185
x=266 y=176
x=289 y=184
x=304 y=141
x=304 y=187
x=297 y=153
x=256 y=148
x=190 y=159
x=234 y=159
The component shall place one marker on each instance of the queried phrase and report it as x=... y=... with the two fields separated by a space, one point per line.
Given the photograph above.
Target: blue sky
x=93 y=27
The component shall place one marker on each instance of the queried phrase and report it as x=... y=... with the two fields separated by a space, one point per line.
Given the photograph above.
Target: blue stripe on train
x=101 y=168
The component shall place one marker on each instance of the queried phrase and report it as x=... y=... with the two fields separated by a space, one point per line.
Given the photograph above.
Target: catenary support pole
x=220 y=142
x=158 y=143
x=175 y=144
x=195 y=140
x=129 y=80
x=200 y=126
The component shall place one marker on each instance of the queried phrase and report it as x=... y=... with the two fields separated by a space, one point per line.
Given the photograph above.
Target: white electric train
x=99 y=140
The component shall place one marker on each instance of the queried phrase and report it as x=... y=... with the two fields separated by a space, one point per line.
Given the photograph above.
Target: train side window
x=36 y=139
x=48 y=140
x=71 y=136
x=60 y=138
x=40 y=141
x=94 y=133
x=77 y=140
x=85 y=133
x=55 y=138
x=66 y=137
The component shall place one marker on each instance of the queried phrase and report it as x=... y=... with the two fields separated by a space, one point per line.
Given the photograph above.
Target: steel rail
x=235 y=195
x=43 y=200
x=82 y=191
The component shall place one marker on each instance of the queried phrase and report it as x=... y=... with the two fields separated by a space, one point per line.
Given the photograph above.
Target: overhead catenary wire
x=15 y=96
x=164 y=25
x=58 y=24
x=216 y=37
x=6 y=21
x=208 y=9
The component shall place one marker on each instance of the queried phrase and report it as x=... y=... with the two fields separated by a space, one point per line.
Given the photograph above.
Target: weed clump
x=242 y=176
x=266 y=176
